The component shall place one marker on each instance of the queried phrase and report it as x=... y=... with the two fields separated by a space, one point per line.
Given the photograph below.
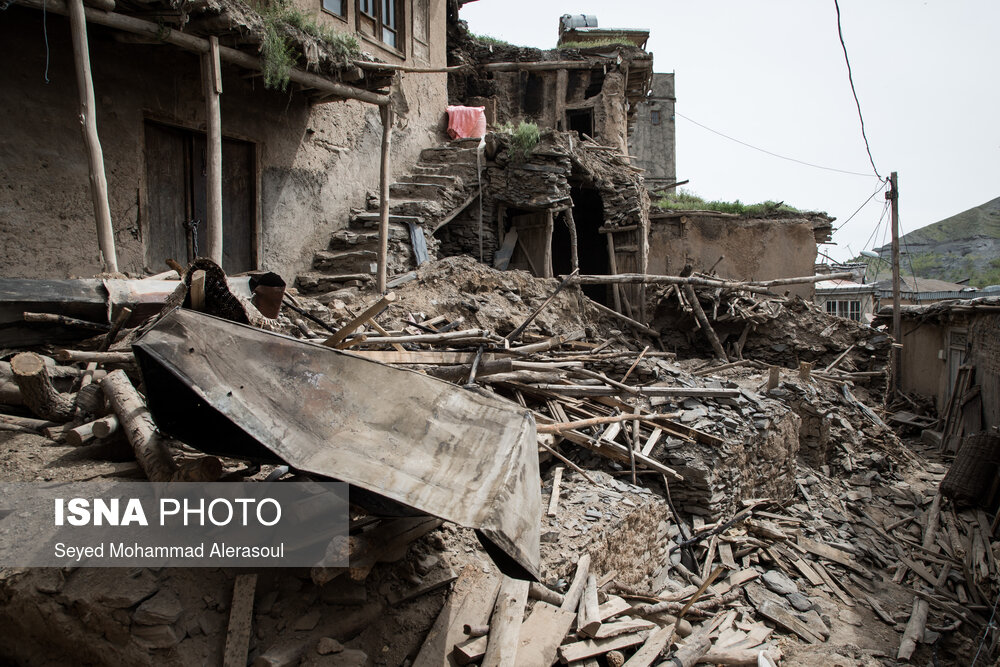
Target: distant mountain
x=964 y=246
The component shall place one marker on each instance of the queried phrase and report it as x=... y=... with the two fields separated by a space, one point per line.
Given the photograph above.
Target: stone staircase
x=440 y=184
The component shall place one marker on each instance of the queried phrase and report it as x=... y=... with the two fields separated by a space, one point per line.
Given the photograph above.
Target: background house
x=295 y=160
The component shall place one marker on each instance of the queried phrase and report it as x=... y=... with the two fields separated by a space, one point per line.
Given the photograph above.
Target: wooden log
x=706 y=326
x=596 y=390
x=201 y=469
x=53 y=318
x=99 y=357
x=91 y=140
x=588 y=620
x=573 y=249
x=737 y=657
x=383 y=196
x=240 y=621
x=80 y=435
x=652 y=648
x=465 y=334
x=37 y=392
x=358 y=321
x=150 y=448
x=914 y=632
x=476 y=630
x=537 y=591
x=36 y=425
x=211 y=72
x=89 y=402
x=505 y=623
x=575 y=590
x=756 y=286
x=548 y=343
x=105 y=426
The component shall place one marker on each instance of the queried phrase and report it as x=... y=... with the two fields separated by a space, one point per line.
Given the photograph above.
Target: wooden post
x=897 y=322
x=613 y=268
x=88 y=119
x=383 y=196
x=37 y=392
x=211 y=73
x=573 y=251
x=706 y=326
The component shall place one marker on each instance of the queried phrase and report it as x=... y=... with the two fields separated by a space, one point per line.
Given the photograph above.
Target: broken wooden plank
x=652 y=648
x=240 y=621
x=554 y=497
x=505 y=623
x=470 y=602
x=542 y=633
x=588 y=620
x=777 y=614
x=832 y=554
x=608 y=630
x=589 y=648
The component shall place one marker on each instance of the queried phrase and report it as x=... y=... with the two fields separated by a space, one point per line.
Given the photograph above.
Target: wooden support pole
x=897 y=322
x=211 y=72
x=706 y=326
x=574 y=256
x=625 y=318
x=91 y=140
x=383 y=196
x=516 y=333
x=613 y=267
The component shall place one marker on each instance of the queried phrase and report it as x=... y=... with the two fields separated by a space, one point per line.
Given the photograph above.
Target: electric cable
x=850 y=78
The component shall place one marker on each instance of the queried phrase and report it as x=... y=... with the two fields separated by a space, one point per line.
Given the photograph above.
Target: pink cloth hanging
x=466 y=122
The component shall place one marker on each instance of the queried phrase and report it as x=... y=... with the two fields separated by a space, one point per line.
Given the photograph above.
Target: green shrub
x=277 y=52
x=685 y=200
x=523 y=139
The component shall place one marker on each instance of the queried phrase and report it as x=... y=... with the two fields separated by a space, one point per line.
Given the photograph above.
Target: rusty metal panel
x=234 y=390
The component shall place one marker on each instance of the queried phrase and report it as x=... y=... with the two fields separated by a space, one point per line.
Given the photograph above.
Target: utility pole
x=897 y=323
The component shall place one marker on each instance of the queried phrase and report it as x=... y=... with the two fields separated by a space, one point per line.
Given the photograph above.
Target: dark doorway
x=175 y=197
x=592 y=245
x=581 y=120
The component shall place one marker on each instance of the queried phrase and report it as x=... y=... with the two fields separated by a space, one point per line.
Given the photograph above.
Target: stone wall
x=313 y=162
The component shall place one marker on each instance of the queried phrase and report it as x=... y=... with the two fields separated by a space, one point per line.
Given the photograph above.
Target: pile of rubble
x=687 y=509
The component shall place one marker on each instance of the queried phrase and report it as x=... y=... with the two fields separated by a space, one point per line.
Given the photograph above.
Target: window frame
x=396 y=27
x=340 y=15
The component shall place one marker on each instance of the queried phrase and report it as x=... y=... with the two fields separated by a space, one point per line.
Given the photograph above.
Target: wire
x=880 y=188
x=986 y=631
x=45 y=34
x=790 y=159
x=850 y=78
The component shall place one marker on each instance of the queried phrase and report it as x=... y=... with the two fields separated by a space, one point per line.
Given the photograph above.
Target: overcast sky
x=771 y=73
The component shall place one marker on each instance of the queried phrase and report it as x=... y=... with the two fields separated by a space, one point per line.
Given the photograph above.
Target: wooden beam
x=200 y=45
x=542 y=66
x=383 y=196
x=211 y=72
x=240 y=621
x=91 y=140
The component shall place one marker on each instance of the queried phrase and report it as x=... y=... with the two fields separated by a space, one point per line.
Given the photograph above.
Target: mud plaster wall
x=984 y=337
x=315 y=162
x=754 y=249
x=654 y=146
x=922 y=372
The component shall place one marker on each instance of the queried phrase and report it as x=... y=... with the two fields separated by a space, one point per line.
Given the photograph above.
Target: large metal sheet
x=234 y=390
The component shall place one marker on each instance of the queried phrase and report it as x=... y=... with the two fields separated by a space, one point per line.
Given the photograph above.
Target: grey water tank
x=570 y=21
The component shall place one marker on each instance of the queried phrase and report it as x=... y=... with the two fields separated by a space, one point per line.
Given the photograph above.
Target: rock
x=799 y=601
x=156 y=636
x=779 y=583
x=426 y=564
x=129 y=591
x=307 y=621
x=164 y=608
x=328 y=645
x=280 y=655
x=615 y=658
x=850 y=617
x=689 y=416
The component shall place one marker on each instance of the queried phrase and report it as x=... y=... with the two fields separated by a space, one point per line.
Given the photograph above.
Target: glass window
x=366 y=7
x=335 y=7
x=654 y=116
x=387 y=15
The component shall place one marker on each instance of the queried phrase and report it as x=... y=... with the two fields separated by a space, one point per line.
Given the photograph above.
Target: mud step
x=465 y=142
x=312 y=283
x=421 y=190
x=365 y=220
x=446 y=180
x=352 y=260
x=463 y=170
x=427 y=209
x=349 y=240
x=450 y=154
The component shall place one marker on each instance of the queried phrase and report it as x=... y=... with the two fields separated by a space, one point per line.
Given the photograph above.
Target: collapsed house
x=716 y=486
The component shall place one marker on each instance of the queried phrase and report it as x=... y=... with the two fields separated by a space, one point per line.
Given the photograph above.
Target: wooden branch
x=759 y=287
x=706 y=326
x=105 y=426
x=588 y=620
x=99 y=357
x=358 y=321
x=572 y=598
x=559 y=427
x=52 y=318
x=505 y=624
x=36 y=425
x=597 y=390
x=430 y=338
x=91 y=140
x=624 y=318
x=516 y=333
x=150 y=448
x=537 y=591
x=915 y=626
x=123 y=315
x=37 y=392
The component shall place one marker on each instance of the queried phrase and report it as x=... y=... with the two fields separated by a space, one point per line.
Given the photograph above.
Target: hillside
x=966 y=245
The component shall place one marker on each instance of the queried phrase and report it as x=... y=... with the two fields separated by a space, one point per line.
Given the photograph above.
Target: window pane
x=831 y=307
x=389 y=37
x=366 y=7
x=389 y=17
x=654 y=116
x=334 y=6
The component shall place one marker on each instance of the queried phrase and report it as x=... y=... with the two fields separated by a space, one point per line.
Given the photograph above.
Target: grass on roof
x=685 y=200
x=606 y=41
x=277 y=50
x=491 y=41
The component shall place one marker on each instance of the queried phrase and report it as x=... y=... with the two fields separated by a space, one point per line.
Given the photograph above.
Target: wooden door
x=534 y=244
x=176 y=171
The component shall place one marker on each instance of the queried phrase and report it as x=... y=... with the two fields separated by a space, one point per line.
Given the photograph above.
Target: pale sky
x=771 y=73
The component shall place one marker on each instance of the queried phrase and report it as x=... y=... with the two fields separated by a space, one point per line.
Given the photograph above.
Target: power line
x=783 y=157
x=850 y=78
x=880 y=188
